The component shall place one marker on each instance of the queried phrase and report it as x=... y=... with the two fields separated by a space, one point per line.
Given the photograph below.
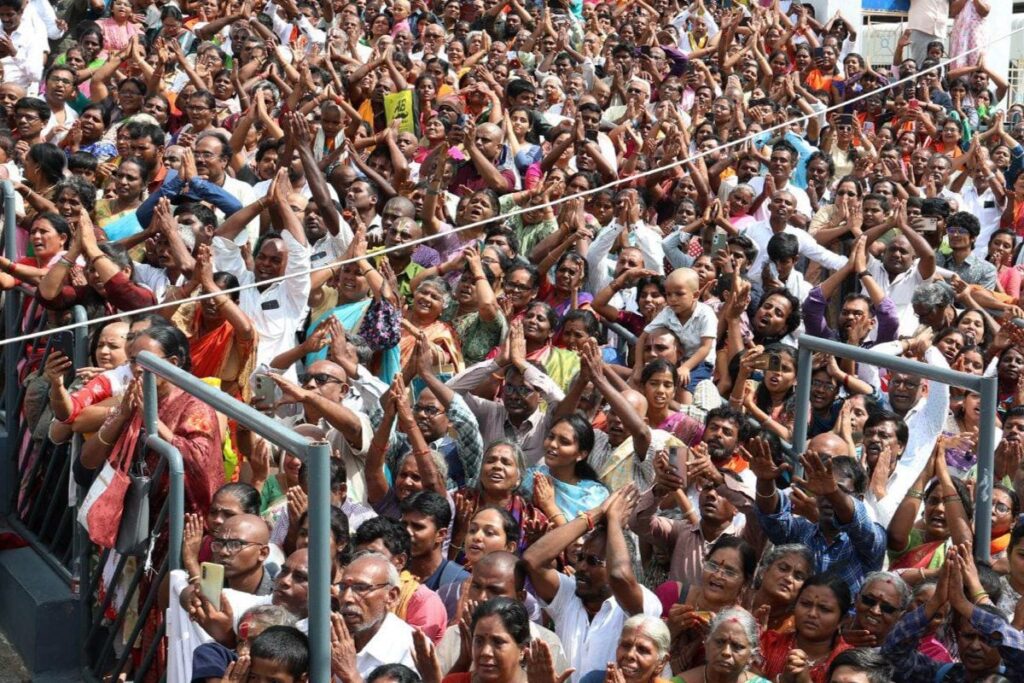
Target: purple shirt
x=887 y=322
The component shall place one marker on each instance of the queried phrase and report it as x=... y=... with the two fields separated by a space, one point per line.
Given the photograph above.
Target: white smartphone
x=211 y=581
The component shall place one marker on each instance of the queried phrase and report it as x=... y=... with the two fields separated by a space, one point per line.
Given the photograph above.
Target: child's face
x=269 y=671
x=680 y=298
x=785 y=267
x=86 y=173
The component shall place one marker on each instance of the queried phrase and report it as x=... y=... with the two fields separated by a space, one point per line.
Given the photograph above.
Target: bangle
x=586 y=515
x=979 y=596
x=63 y=260
x=99 y=435
x=766 y=496
x=915 y=493
x=96 y=258
x=194 y=579
x=364 y=272
x=862 y=274
x=951 y=499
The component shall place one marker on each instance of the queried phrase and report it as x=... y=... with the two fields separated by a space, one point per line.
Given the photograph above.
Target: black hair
x=104 y=113
x=285 y=645
x=748 y=557
x=57 y=222
x=844 y=464
x=530 y=269
x=225 y=145
x=508 y=523
x=50 y=159
x=782 y=246
x=399 y=673
x=339 y=526
x=728 y=413
x=118 y=255
x=1014 y=498
x=877 y=417
x=516 y=87
x=744 y=243
x=853 y=181
x=337 y=475
x=35 y=104
x=513 y=616
x=584 y=434
x=549 y=312
x=145 y=170
x=882 y=200
x=961 y=491
x=225 y=281
x=173 y=342
x=390 y=531
x=658 y=365
x=589 y=320
x=138 y=130
x=786 y=146
x=836 y=584
x=83 y=161
x=793 y=319
x=935 y=206
x=504 y=231
x=864 y=660
x=965 y=220
x=248 y=496
x=656 y=281
x=205 y=215
x=429 y=504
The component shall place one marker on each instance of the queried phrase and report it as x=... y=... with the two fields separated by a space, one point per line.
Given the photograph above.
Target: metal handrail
x=317 y=456
x=8 y=478
x=985 y=385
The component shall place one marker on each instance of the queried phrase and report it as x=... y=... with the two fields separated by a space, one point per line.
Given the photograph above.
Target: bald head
x=248 y=528
x=828 y=444
x=636 y=401
x=683 y=277
x=241 y=547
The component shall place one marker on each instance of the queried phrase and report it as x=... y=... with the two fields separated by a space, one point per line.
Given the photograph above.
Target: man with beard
x=721 y=497
x=906 y=262
x=860 y=315
x=781 y=165
x=844 y=539
x=400 y=231
x=277 y=310
x=775 y=320
x=590 y=607
x=367 y=592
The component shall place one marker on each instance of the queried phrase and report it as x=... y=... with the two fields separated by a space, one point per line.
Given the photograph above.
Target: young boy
x=780 y=271
x=279 y=655
x=693 y=322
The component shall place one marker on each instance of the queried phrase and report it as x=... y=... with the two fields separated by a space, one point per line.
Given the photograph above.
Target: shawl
x=212 y=352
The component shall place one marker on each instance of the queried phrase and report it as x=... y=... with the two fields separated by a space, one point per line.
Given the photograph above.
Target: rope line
x=516 y=211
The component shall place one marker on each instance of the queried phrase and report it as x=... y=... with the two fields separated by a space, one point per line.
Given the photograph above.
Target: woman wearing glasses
x=728 y=570
x=882 y=599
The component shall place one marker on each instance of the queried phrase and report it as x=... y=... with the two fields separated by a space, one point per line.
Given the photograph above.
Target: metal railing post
x=318 y=457
x=986 y=386
x=803 y=406
x=9 y=459
x=986 y=469
x=175 y=470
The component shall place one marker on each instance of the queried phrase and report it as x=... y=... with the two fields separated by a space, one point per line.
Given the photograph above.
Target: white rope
x=516 y=211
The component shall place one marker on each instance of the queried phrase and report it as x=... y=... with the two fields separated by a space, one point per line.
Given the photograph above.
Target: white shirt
x=26 y=67
x=760 y=233
x=590 y=643
x=354 y=457
x=154 y=278
x=900 y=290
x=644 y=237
x=246 y=194
x=70 y=116
x=392 y=644
x=988 y=211
x=925 y=422
x=803 y=202
x=277 y=312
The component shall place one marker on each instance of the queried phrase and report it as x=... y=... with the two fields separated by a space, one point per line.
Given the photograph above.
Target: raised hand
x=819 y=478
x=540 y=665
x=759 y=453
x=56 y=366
x=425 y=658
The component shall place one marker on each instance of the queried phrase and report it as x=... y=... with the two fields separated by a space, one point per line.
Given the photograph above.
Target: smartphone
x=931 y=224
x=818 y=53
x=461 y=121
x=211 y=582
x=774 y=363
x=720 y=242
x=914 y=104
x=265 y=391
x=868 y=128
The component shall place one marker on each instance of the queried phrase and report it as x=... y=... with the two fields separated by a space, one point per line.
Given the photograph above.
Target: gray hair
x=517 y=454
x=933 y=295
x=744 y=618
x=439 y=462
x=893 y=579
x=442 y=287
x=270 y=615
x=394 y=580
x=777 y=553
x=652 y=627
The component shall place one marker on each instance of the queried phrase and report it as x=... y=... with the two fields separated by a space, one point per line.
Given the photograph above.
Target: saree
x=350 y=316
x=775 y=648
x=919 y=554
x=561 y=365
x=571 y=499
x=446 y=343
x=121 y=225
x=219 y=354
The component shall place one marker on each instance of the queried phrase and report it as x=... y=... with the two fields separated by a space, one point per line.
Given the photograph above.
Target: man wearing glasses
x=242 y=548
x=60 y=85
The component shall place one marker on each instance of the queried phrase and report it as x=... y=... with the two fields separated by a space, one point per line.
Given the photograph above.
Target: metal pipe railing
x=317 y=456
x=9 y=461
x=985 y=386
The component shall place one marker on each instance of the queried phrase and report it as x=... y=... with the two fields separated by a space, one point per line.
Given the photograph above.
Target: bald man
x=242 y=546
x=632 y=440
x=489 y=165
x=496 y=575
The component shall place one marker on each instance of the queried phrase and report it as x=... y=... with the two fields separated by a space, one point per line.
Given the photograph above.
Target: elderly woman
x=882 y=599
x=501 y=475
x=779 y=578
x=423 y=318
x=731 y=647
x=640 y=656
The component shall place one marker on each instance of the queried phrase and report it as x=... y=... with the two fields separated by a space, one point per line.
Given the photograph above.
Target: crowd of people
x=559 y=393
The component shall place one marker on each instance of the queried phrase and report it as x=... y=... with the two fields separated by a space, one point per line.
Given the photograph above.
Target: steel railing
x=985 y=386
x=317 y=457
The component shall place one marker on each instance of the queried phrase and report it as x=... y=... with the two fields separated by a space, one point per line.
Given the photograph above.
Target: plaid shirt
x=911 y=666
x=468 y=444
x=858 y=549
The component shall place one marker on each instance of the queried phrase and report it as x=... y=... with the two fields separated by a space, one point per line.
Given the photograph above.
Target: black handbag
x=133 y=532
